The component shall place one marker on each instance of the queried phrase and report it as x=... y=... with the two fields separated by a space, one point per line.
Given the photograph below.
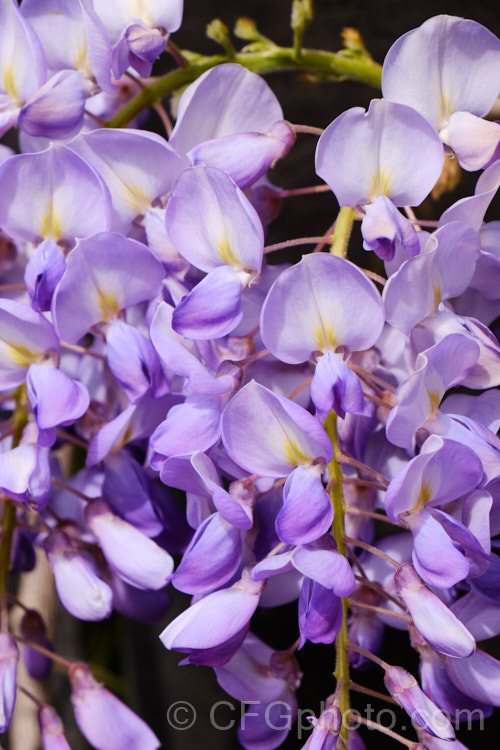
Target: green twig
x=246 y=29
x=302 y=15
x=337 y=497
x=342 y=232
x=219 y=33
x=329 y=65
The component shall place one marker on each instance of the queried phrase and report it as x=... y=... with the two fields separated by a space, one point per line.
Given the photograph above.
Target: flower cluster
x=144 y=335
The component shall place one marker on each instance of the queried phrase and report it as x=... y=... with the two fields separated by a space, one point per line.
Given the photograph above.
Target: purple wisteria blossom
x=217 y=230
x=266 y=680
x=230 y=119
x=323 y=323
x=9 y=656
x=98 y=267
x=76 y=203
x=368 y=162
x=103 y=719
x=437 y=89
x=297 y=456
x=138 y=32
x=52 y=730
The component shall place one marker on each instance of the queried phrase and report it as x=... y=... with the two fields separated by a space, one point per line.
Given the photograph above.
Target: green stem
x=342 y=232
x=332 y=65
x=9 y=513
x=337 y=497
x=298 y=36
x=302 y=15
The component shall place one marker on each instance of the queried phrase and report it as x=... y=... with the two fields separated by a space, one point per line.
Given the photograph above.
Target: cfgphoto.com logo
x=224 y=716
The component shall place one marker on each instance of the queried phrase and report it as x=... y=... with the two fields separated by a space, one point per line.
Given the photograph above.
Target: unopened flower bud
x=423 y=712
x=80 y=590
x=52 y=730
x=32 y=627
x=9 y=656
x=106 y=722
x=131 y=554
x=432 y=618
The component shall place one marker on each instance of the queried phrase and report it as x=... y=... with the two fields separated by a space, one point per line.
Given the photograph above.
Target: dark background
x=150 y=680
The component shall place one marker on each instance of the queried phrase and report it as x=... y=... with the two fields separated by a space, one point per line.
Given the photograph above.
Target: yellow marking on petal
x=445 y=109
x=82 y=59
x=109 y=305
x=128 y=435
x=425 y=495
x=381 y=184
x=226 y=252
x=21 y=355
x=140 y=10
x=51 y=225
x=294 y=454
x=9 y=82
x=435 y=399
x=437 y=296
x=325 y=338
x=137 y=198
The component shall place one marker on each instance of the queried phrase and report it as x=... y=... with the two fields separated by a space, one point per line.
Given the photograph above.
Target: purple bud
x=9 y=656
x=22 y=556
x=299 y=522
x=106 y=722
x=133 y=555
x=320 y=613
x=423 y=712
x=43 y=272
x=32 y=627
x=128 y=489
x=432 y=618
x=52 y=730
x=72 y=401
x=134 y=362
x=326 y=729
x=80 y=590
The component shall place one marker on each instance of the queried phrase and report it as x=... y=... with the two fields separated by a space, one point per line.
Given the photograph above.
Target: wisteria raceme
x=181 y=413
